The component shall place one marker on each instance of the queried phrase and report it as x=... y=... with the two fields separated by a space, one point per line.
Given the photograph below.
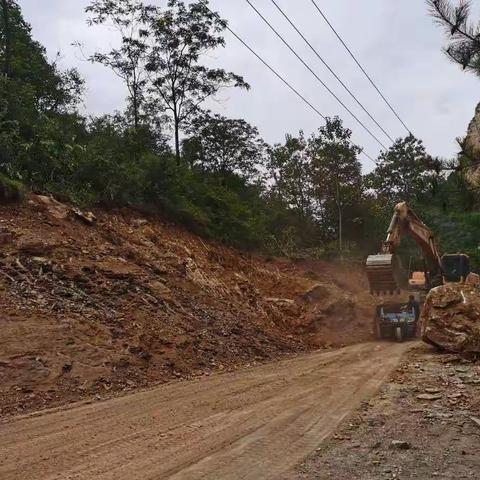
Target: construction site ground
x=133 y=349
x=251 y=424
x=369 y=411
x=424 y=424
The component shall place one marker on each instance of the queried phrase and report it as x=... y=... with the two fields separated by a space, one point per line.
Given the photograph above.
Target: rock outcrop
x=472 y=140
x=451 y=318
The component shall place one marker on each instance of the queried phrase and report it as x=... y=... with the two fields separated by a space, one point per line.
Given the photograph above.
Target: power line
x=315 y=75
x=291 y=87
x=315 y=51
x=360 y=66
x=288 y=84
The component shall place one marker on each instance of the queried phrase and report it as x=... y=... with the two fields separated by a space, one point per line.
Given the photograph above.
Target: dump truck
x=395 y=321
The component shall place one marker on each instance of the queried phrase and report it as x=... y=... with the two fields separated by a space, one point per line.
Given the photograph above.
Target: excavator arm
x=384 y=271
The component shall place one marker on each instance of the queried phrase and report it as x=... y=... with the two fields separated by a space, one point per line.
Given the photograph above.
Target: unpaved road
x=254 y=424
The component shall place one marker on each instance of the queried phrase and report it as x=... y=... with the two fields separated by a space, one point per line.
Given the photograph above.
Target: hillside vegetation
x=165 y=153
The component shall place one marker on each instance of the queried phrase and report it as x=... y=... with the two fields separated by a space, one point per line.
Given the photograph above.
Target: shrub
x=10 y=190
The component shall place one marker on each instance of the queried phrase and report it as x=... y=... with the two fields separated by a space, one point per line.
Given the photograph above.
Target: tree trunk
x=8 y=46
x=340 y=230
x=135 y=109
x=340 y=223
x=177 y=137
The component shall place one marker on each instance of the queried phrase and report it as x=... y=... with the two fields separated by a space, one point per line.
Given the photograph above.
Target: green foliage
x=336 y=176
x=306 y=197
x=10 y=190
x=463 y=33
x=289 y=166
x=180 y=83
x=403 y=172
x=224 y=146
x=320 y=179
x=456 y=232
x=131 y=19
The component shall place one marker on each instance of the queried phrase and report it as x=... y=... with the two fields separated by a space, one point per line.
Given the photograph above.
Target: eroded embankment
x=89 y=310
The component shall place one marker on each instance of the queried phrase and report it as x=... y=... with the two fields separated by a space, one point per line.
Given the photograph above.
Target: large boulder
x=451 y=318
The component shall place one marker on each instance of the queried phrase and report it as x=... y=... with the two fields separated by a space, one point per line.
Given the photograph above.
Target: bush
x=10 y=190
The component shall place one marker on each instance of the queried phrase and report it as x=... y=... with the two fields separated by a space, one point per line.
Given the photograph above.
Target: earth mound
x=100 y=303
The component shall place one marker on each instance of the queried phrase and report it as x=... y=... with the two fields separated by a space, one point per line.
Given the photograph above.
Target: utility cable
x=316 y=76
x=280 y=77
x=360 y=66
x=315 y=51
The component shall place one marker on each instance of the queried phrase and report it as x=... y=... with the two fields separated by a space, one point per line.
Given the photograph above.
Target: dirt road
x=253 y=424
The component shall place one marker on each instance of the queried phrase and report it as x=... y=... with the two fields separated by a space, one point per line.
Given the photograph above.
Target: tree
x=180 y=36
x=130 y=18
x=225 y=146
x=289 y=166
x=403 y=172
x=38 y=99
x=6 y=37
x=463 y=33
x=336 y=174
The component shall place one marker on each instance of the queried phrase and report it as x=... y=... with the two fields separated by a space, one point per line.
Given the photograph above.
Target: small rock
x=139 y=222
x=88 y=218
x=455 y=395
x=401 y=444
x=67 y=367
x=429 y=396
x=475 y=420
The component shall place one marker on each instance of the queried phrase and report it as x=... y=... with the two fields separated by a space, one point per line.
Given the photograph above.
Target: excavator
x=387 y=277
x=385 y=273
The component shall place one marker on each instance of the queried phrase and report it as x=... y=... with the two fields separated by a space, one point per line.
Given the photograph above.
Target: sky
x=396 y=41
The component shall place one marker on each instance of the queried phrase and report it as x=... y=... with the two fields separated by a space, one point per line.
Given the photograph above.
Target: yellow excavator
x=384 y=271
x=386 y=275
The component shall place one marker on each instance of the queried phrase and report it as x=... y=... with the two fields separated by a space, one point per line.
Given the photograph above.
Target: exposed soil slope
x=131 y=301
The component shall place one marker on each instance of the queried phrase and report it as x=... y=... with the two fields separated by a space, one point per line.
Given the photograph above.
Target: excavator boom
x=384 y=271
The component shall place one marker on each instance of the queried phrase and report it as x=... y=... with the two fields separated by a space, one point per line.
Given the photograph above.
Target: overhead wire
x=316 y=76
x=360 y=66
x=278 y=75
x=337 y=77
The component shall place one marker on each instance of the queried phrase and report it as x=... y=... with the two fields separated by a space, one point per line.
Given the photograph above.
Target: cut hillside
x=96 y=305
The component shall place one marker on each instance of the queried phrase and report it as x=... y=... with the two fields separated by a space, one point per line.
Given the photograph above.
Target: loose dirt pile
x=451 y=318
x=96 y=304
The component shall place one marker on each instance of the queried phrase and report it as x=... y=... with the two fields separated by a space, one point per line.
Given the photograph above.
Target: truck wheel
x=398 y=334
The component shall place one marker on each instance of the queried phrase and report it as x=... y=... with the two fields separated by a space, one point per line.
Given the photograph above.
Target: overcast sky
x=395 y=40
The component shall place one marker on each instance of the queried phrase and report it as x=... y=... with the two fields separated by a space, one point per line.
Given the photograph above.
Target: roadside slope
x=250 y=424
x=130 y=302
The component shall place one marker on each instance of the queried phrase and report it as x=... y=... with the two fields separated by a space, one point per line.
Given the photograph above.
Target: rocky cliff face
x=472 y=147
x=472 y=140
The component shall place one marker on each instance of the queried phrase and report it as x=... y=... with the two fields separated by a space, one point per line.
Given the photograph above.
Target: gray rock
x=401 y=444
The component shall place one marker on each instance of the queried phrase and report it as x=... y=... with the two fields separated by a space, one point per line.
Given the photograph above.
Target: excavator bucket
x=383 y=272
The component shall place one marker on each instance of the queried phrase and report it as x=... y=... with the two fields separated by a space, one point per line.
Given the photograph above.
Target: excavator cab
x=456 y=268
